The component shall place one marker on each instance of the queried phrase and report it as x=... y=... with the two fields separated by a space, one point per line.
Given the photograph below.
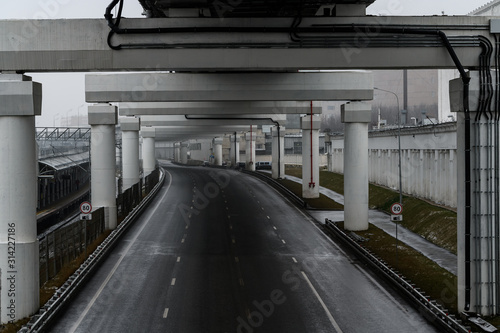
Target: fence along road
x=220 y=251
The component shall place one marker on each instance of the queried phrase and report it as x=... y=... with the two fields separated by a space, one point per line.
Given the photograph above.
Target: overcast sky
x=63 y=94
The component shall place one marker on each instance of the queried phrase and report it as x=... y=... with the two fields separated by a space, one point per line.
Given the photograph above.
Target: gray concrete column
x=250 y=151
x=310 y=156
x=235 y=148
x=356 y=116
x=184 y=152
x=130 y=127
x=217 y=142
x=20 y=102
x=148 y=135
x=278 y=151
x=177 y=152
x=102 y=119
x=475 y=234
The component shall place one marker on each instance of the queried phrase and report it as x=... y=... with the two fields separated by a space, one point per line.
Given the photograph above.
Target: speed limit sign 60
x=396 y=208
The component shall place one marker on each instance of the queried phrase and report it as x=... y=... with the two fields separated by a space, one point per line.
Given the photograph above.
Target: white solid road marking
x=173 y=282
x=110 y=275
x=165 y=313
x=332 y=320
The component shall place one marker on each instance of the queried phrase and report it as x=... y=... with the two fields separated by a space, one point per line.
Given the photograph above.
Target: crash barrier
x=40 y=321
x=429 y=308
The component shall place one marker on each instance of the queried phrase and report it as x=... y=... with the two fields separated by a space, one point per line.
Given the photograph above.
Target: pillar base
x=19 y=266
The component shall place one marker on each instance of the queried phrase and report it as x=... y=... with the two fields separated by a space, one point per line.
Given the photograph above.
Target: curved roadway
x=220 y=251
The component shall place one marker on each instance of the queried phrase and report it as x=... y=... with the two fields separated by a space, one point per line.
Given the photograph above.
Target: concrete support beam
x=278 y=151
x=234 y=150
x=356 y=117
x=184 y=152
x=20 y=101
x=212 y=119
x=148 y=150
x=177 y=152
x=102 y=120
x=130 y=151
x=81 y=45
x=217 y=144
x=184 y=87
x=221 y=108
x=310 y=156
x=250 y=151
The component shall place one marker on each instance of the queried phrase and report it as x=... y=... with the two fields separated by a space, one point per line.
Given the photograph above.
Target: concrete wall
x=428 y=161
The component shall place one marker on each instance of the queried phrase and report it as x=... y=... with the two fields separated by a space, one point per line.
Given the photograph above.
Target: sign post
x=396 y=211
x=85 y=209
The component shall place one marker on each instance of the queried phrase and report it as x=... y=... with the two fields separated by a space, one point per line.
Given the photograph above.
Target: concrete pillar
x=250 y=151
x=217 y=142
x=476 y=257
x=278 y=158
x=102 y=119
x=235 y=149
x=184 y=152
x=130 y=151
x=177 y=152
x=310 y=156
x=356 y=116
x=148 y=135
x=20 y=102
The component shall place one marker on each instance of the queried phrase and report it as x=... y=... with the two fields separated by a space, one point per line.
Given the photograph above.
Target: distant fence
x=63 y=245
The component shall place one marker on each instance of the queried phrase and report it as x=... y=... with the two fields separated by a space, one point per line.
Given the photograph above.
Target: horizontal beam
x=170 y=87
x=212 y=120
x=221 y=108
x=255 y=44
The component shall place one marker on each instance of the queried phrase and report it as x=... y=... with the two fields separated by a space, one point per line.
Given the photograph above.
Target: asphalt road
x=220 y=251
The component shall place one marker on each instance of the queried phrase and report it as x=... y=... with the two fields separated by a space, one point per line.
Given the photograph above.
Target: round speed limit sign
x=396 y=208
x=85 y=207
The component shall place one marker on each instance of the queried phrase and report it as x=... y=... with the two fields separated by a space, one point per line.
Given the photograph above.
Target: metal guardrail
x=432 y=311
x=48 y=312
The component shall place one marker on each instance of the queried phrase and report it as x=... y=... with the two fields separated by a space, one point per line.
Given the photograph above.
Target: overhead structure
x=240 y=44
x=233 y=87
x=221 y=108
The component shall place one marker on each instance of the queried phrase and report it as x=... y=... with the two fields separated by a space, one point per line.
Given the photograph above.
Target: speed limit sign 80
x=85 y=207
x=396 y=208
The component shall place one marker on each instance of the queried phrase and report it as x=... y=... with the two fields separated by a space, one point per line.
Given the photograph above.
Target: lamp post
x=399 y=162
x=399 y=143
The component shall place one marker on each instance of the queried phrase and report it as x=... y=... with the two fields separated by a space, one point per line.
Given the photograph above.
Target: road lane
x=221 y=251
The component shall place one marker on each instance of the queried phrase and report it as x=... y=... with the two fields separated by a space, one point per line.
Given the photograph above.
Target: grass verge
x=436 y=224
x=436 y=281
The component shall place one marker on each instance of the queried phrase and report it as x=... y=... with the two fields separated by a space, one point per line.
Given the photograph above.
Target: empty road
x=220 y=251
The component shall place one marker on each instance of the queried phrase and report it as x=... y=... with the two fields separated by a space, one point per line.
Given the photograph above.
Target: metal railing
x=72 y=236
